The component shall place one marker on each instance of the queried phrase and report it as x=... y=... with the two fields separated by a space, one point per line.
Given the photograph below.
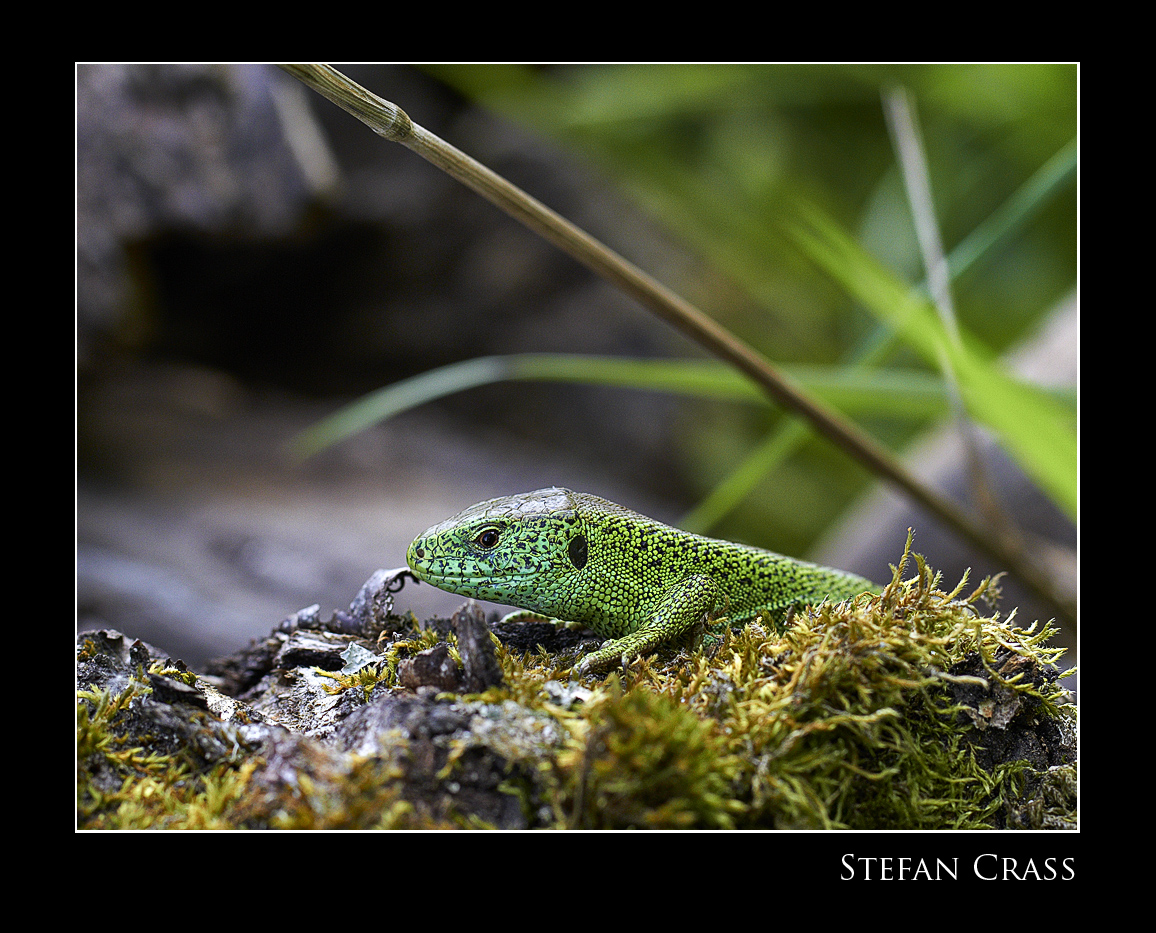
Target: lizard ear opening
x=577 y=551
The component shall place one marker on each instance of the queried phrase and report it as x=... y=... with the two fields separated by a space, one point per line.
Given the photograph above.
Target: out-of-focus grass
x=730 y=157
x=723 y=155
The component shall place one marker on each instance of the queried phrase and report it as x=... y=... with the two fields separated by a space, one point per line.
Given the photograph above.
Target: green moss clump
x=646 y=762
x=870 y=714
x=127 y=781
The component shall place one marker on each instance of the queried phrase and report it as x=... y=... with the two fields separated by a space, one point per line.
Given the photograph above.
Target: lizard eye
x=487 y=538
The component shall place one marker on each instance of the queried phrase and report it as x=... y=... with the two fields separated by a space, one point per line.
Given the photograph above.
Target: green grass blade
x=395 y=398
x=903 y=394
x=771 y=452
x=1059 y=170
x=1036 y=429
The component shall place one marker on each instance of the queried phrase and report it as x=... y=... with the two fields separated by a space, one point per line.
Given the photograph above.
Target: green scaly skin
x=572 y=557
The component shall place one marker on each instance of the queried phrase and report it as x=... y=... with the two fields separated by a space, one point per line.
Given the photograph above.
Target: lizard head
x=516 y=550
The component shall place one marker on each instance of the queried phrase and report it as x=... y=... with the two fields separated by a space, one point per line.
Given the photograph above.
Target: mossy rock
x=911 y=709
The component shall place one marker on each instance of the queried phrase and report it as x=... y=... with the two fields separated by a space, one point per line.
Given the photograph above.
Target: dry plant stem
x=904 y=128
x=389 y=121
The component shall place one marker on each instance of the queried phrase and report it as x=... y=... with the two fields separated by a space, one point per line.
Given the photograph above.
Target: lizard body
x=574 y=557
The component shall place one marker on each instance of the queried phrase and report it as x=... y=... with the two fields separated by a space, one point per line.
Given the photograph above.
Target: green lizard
x=573 y=557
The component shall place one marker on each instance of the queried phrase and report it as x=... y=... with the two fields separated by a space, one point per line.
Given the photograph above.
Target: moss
x=364 y=680
x=851 y=718
x=123 y=783
x=646 y=762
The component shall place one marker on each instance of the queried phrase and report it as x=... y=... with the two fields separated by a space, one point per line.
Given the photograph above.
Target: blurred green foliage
x=784 y=179
x=724 y=155
x=718 y=152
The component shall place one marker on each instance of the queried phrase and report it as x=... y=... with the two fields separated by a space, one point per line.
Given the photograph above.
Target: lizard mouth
x=437 y=569
x=466 y=577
